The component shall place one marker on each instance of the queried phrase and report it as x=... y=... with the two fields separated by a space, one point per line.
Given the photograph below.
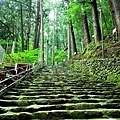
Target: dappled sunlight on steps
x=56 y=95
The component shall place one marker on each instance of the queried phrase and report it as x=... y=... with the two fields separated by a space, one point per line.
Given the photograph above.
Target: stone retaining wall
x=103 y=69
x=110 y=64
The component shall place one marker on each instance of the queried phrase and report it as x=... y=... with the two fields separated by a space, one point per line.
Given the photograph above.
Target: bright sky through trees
x=1 y=1
x=55 y=1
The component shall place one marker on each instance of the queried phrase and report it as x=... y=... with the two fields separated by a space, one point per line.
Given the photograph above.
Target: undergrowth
x=28 y=56
x=94 y=51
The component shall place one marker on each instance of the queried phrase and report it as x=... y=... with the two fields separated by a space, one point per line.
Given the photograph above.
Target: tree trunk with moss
x=36 y=32
x=73 y=39
x=42 y=33
x=96 y=25
x=87 y=39
x=115 y=9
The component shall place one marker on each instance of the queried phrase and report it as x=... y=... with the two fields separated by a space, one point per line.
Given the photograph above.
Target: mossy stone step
x=13 y=93
x=63 y=114
x=45 y=87
x=98 y=96
x=88 y=89
x=93 y=119
x=104 y=102
x=16 y=116
x=19 y=90
x=34 y=107
x=38 y=90
x=15 y=97
x=44 y=101
x=91 y=92
x=21 y=87
x=53 y=96
x=45 y=93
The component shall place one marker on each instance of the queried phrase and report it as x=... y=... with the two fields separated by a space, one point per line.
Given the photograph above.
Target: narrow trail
x=54 y=94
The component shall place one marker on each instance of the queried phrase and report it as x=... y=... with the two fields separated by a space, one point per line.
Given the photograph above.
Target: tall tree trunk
x=13 y=47
x=101 y=24
x=69 y=43
x=47 y=45
x=42 y=32
x=57 y=40
x=29 y=25
x=54 y=38
x=36 y=25
x=22 y=35
x=47 y=50
x=53 y=46
x=38 y=36
x=72 y=35
x=115 y=8
x=69 y=36
x=73 y=39
x=96 y=25
x=14 y=43
x=87 y=39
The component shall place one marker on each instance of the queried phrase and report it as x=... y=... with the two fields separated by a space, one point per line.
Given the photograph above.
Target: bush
x=28 y=56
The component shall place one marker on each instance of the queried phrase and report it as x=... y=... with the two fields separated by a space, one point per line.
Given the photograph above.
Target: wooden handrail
x=12 y=74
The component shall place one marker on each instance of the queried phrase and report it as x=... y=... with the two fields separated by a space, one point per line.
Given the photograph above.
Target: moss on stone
x=9 y=117
x=2 y=110
x=93 y=114
x=77 y=115
x=112 y=114
x=40 y=115
x=22 y=103
x=86 y=106
x=18 y=109
x=25 y=116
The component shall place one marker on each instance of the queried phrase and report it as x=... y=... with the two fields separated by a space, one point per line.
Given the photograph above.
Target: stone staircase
x=56 y=95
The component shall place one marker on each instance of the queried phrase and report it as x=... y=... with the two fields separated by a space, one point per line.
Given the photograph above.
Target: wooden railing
x=10 y=75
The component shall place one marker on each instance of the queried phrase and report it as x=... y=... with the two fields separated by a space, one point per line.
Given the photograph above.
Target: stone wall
x=103 y=69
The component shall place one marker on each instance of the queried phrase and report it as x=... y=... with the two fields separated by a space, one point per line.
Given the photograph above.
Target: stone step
x=77 y=82
x=65 y=91
x=63 y=114
x=44 y=101
x=95 y=92
x=95 y=87
x=46 y=93
x=13 y=93
x=40 y=88
x=93 y=119
x=51 y=96
x=56 y=94
x=67 y=106
x=39 y=96
x=80 y=114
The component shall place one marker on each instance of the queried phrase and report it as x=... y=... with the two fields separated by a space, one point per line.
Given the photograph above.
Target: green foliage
x=91 y=50
x=28 y=56
x=114 y=78
x=61 y=55
x=2 y=42
x=74 y=15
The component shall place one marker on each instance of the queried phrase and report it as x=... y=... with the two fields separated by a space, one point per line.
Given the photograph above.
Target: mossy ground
x=92 y=51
